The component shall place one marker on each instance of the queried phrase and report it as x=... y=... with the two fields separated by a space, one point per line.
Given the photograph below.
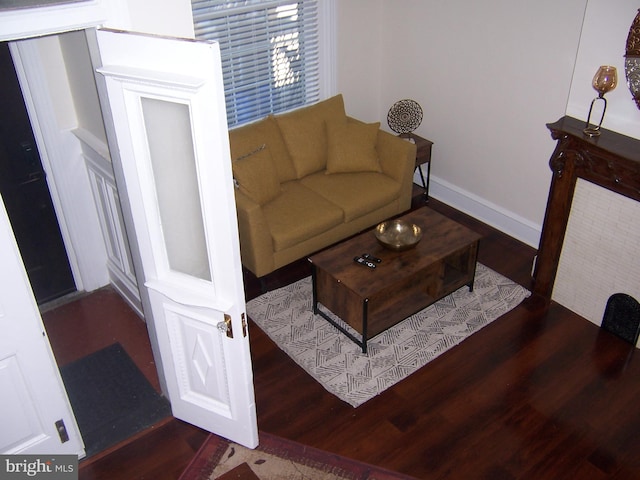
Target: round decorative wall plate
x=404 y=116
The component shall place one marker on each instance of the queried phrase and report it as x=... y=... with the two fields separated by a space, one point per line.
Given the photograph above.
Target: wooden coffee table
x=373 y=300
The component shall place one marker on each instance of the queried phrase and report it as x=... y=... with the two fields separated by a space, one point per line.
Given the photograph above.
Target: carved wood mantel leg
x=563 y=184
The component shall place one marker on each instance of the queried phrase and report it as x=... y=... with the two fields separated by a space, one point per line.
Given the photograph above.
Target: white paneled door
x=35 y=412
x=164 y=110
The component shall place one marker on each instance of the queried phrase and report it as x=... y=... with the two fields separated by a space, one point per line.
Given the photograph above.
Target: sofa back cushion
x=352 y=147
x=255 y=175
x=249 y=138
x=304 y=133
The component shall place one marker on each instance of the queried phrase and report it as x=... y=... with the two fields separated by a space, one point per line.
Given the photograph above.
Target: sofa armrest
x=256 y=244
x=398 y=160
x=397 y=157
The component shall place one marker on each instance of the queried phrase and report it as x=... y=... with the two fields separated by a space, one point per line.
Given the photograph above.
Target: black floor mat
x=111 y=398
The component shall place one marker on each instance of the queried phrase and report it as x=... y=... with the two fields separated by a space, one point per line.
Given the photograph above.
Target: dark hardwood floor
x=539 y=393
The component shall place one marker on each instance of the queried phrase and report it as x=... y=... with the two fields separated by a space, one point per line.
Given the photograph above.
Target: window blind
x=270 y=54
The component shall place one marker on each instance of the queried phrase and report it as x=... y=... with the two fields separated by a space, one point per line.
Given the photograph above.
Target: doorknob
x=225 y=327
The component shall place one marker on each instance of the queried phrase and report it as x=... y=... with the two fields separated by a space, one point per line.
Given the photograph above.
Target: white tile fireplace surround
x=600 y=253
x=590 y=243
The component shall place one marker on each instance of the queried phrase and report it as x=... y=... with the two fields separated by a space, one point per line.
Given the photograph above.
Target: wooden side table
x=423 y=155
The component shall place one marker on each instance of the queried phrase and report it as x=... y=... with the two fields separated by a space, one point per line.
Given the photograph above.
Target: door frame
x=84 y=243
x=19 y=23
x=78 y=219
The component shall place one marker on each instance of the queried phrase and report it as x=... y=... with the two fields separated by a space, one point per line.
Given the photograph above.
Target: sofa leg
x=263 y=284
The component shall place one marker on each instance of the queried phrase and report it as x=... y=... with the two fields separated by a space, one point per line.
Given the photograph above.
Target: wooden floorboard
x=538 y=393
x=96 y=321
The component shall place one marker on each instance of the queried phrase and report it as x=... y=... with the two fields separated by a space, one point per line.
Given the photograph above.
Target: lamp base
x=592 y=131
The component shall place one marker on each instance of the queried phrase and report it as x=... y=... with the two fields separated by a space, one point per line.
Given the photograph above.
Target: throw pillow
x=303 y=131
x=256 y=175
x=352 y=147
x=246 y=139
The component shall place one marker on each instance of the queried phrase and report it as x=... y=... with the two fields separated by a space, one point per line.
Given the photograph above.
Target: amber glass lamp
x=605 y=80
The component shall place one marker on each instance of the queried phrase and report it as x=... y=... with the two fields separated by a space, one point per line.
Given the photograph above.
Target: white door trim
x=67 y=178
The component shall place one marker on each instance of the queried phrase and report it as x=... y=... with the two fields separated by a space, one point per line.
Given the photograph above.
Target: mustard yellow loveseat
x=308 y=178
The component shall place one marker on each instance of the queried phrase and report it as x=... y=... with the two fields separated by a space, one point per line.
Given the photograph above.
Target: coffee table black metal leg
x=426 y=194
x=473 y=275
x=316 y=311
x=365 y=314
x=314 y=289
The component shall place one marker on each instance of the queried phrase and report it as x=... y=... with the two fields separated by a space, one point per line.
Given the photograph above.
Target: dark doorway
x=26 y=195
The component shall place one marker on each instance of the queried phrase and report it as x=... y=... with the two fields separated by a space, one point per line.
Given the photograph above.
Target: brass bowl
x=398 y=234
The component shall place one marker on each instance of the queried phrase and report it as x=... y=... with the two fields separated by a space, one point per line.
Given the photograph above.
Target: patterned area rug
x=277 y=459
x=355 y=377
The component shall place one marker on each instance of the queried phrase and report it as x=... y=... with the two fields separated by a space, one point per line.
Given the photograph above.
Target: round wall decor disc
x=404 y=116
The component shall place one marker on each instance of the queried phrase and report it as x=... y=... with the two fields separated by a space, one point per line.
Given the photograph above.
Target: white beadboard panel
x=105 y=194
x=601 y=251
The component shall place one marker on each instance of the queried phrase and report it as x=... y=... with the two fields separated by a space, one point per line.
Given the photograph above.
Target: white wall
x=488 y=75
x=604 y=36
x=358 y=63
x=79 y=76
x=61 y=99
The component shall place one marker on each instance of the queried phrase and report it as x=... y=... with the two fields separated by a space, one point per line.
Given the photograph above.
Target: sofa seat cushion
x=304 y=133
x=298 y=214
x=355 y=193
x=249 y=138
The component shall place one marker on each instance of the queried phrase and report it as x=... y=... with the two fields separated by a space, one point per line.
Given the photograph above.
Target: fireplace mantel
x=610 y=160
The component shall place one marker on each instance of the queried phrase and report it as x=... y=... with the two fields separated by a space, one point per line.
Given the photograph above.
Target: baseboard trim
x=485 y=211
